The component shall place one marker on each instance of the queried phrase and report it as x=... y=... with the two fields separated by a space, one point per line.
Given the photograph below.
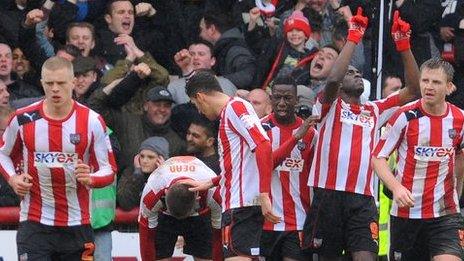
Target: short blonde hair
x=56 y=63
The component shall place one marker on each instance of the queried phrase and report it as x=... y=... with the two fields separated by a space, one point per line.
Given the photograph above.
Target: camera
x=303 y=111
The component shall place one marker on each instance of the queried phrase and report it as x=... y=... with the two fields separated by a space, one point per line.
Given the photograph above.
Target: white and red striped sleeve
x=150 y=203
x=102 y=154
x=392 y=135
x=387 y=107
x=9 y=143
x=244 y=121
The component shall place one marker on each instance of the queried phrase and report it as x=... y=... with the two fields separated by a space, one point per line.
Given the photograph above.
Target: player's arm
x=214 y=204
x=358 y=25
x=10 y=142
x=401 y=33
x=459 y=172
x=279 y=155
x=388 y=143
x=150 y=205
x=105 y=163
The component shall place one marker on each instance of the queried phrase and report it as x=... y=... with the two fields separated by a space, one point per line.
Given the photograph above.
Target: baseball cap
x=159 y=93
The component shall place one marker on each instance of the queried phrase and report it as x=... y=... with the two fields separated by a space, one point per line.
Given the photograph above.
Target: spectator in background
x=201 y=142
x=7 y=195
x=4 y=95
x=198 y=56
x=16 y=87
x=234 y=59
x=85 y=71
x=151 y=154
x=260 y=101
x=391 y=84
x=131 y=128
x=21 y=65
x=319 y=70
x=81 y=35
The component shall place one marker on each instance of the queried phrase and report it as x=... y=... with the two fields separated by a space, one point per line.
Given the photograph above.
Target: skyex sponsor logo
x=291 y=164
x=362 y=119
x=54 y=159
x=424 y=153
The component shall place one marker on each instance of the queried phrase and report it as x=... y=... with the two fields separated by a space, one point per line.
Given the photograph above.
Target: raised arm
x=401 y=34
x=358 y=25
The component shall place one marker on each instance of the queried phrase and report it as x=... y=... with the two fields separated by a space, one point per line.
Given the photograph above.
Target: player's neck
x=285 y=120
x=57 y=112
x=434 y=109
x=218 y=102
x=351 y=99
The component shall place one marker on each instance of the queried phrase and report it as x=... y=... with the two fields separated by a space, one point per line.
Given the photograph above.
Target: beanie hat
x=156 y=144
x=267 y=8
x=297 y=21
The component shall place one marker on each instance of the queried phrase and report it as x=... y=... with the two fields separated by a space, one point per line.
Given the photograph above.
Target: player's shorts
x=275 y=245
x=241 y=231
x=341 y=221
x=196 y=230
x=422 y=239
x=36 y=241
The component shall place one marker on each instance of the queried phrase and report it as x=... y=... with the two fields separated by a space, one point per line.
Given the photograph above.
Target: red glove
x=401 y=33
x=358 y=25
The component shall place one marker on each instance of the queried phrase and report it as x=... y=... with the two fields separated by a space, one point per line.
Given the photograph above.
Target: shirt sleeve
x=387 y=107
x=10 y=143
x=391 y=136
x=102 y=158
x=150 y=203
x=244 y=121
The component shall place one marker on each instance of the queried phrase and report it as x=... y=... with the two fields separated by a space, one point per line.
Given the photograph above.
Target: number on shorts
x=87 y=255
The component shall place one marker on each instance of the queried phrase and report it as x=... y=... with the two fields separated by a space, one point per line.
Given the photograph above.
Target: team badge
x=452 y=133
x=301 y=145
x=75 y=138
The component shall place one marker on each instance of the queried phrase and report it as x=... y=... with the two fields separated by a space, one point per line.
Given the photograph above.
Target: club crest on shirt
x=75 y=138
x=452 y=133
x=301 y=145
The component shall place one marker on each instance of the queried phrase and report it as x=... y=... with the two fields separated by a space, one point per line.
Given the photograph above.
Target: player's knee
x=180 y=201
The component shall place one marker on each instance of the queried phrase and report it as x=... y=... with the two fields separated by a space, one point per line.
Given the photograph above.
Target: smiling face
x=296 y=38
x=121 y=19
x=434 y=86
x=323 y=63
x=158 y=112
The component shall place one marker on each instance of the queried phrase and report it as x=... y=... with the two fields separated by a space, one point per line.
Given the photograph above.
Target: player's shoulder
x=457 y=112
x=29 y=113
x=267 y=123
x=410 y=111
x=81 y=108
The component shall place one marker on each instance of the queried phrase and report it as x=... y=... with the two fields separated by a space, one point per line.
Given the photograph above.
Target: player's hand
x=303 y=129
x=357 y=27
x=34 y=17
x=403 y=197
x=401 y=33
x=21 y=184
x=82 y=172
x=197 y=185
x=183 y=59
x=142 y=70
x=144 y=9
x=266 y=209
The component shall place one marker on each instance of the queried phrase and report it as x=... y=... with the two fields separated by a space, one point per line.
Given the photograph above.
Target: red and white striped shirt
x=426 y=147
x=347 y=135
x=290 y=195
x=240 y=131
x=49 y=150
x=173 y=170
